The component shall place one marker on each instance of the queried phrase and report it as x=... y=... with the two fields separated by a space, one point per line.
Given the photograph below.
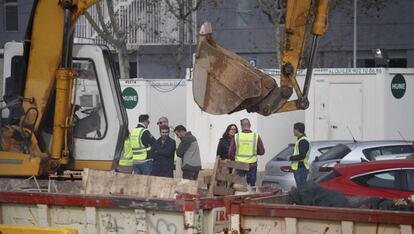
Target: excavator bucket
x=223 y=81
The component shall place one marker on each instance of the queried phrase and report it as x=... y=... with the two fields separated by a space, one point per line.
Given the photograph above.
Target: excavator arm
x=224 y=82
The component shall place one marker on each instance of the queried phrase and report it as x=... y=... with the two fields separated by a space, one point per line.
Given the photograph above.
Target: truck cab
x=100 y=120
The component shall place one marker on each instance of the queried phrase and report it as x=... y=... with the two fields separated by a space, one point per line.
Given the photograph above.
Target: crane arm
x=224 y=82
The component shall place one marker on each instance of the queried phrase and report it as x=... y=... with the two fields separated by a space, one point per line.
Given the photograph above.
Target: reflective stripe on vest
x=295 y=164
x=139 y=151
x=246 y=147
x=126 y=158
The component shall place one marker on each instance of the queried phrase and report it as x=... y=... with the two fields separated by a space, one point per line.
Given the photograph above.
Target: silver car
x=276 y=171
x=357 y=152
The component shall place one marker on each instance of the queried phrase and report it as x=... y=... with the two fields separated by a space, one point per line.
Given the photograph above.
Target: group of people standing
x=145 y=155
x=245 y=146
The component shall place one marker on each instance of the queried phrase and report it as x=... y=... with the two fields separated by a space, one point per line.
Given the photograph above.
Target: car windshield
x=337 y=152
x=284 y=154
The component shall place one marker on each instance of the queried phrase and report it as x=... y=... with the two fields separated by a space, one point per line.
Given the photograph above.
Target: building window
x=11 y=18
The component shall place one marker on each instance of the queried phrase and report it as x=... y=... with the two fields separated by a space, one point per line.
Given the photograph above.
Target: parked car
x=357 y=152
x=276 y=171
x=386 y=179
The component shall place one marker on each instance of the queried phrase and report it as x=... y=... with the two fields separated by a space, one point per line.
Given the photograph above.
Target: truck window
x=90 y=120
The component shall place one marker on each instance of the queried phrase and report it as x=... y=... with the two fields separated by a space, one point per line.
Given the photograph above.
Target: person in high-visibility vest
x=245 y=147
x=126 y=161
x=141 y=141
x=300 y=158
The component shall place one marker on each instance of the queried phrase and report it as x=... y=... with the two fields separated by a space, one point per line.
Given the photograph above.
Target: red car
x=386 y=179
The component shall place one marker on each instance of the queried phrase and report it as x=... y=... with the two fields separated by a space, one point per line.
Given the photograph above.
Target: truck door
x=100 y=121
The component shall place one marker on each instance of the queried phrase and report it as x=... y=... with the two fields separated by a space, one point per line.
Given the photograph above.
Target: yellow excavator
x=52 y=123
x=224 y=82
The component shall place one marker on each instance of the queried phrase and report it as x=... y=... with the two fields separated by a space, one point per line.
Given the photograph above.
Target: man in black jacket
x=162 y=152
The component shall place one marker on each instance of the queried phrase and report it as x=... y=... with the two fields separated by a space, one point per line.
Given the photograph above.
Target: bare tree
x=274 y=10
x=112 y=33
x=182 y=10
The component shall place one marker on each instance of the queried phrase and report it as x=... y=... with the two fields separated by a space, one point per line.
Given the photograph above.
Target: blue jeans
x=144 y=168
x=301 y=175
x=250 y=175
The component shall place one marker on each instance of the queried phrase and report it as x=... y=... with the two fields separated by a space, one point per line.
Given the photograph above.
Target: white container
x=361 y=101
x=155 y=97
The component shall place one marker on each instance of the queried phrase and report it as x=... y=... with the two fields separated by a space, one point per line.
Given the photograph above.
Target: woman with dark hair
x=224 y=143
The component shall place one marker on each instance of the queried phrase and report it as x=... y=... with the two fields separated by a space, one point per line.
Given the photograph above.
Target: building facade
x=241 y=26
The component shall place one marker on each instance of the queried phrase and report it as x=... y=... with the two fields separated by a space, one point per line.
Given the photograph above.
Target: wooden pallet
x=224 y=176
x=113 y=183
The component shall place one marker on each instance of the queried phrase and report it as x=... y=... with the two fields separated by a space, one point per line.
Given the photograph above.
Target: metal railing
x=145 y=22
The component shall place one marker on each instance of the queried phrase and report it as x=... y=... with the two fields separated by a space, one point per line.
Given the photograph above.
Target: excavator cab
x=224 y=82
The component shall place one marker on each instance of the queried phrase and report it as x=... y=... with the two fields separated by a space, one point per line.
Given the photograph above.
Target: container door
x=345 y=111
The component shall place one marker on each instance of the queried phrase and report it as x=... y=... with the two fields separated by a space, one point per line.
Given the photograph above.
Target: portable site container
x=156 y=97
x=370 y=103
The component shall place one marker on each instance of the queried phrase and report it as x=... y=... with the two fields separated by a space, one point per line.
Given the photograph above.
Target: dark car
x=386 y=179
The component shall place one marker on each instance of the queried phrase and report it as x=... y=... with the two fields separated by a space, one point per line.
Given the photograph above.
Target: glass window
x=337 y=152
x=374 y=153
x=324 y=150
x=90 y=121
x=385 y=179
x=410 y=179
x=284 y=154
x=11 y=15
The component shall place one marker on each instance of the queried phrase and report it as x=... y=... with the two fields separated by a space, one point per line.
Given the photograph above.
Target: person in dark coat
x=224 y=142
x=162 y=152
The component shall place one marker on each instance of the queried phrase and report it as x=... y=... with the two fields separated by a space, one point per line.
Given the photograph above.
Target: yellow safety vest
x=295 y=164
x=246 y=147
x=126 y=158
x=139 y=151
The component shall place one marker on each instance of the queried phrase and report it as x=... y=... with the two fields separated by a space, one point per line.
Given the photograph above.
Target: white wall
x=157 y=98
